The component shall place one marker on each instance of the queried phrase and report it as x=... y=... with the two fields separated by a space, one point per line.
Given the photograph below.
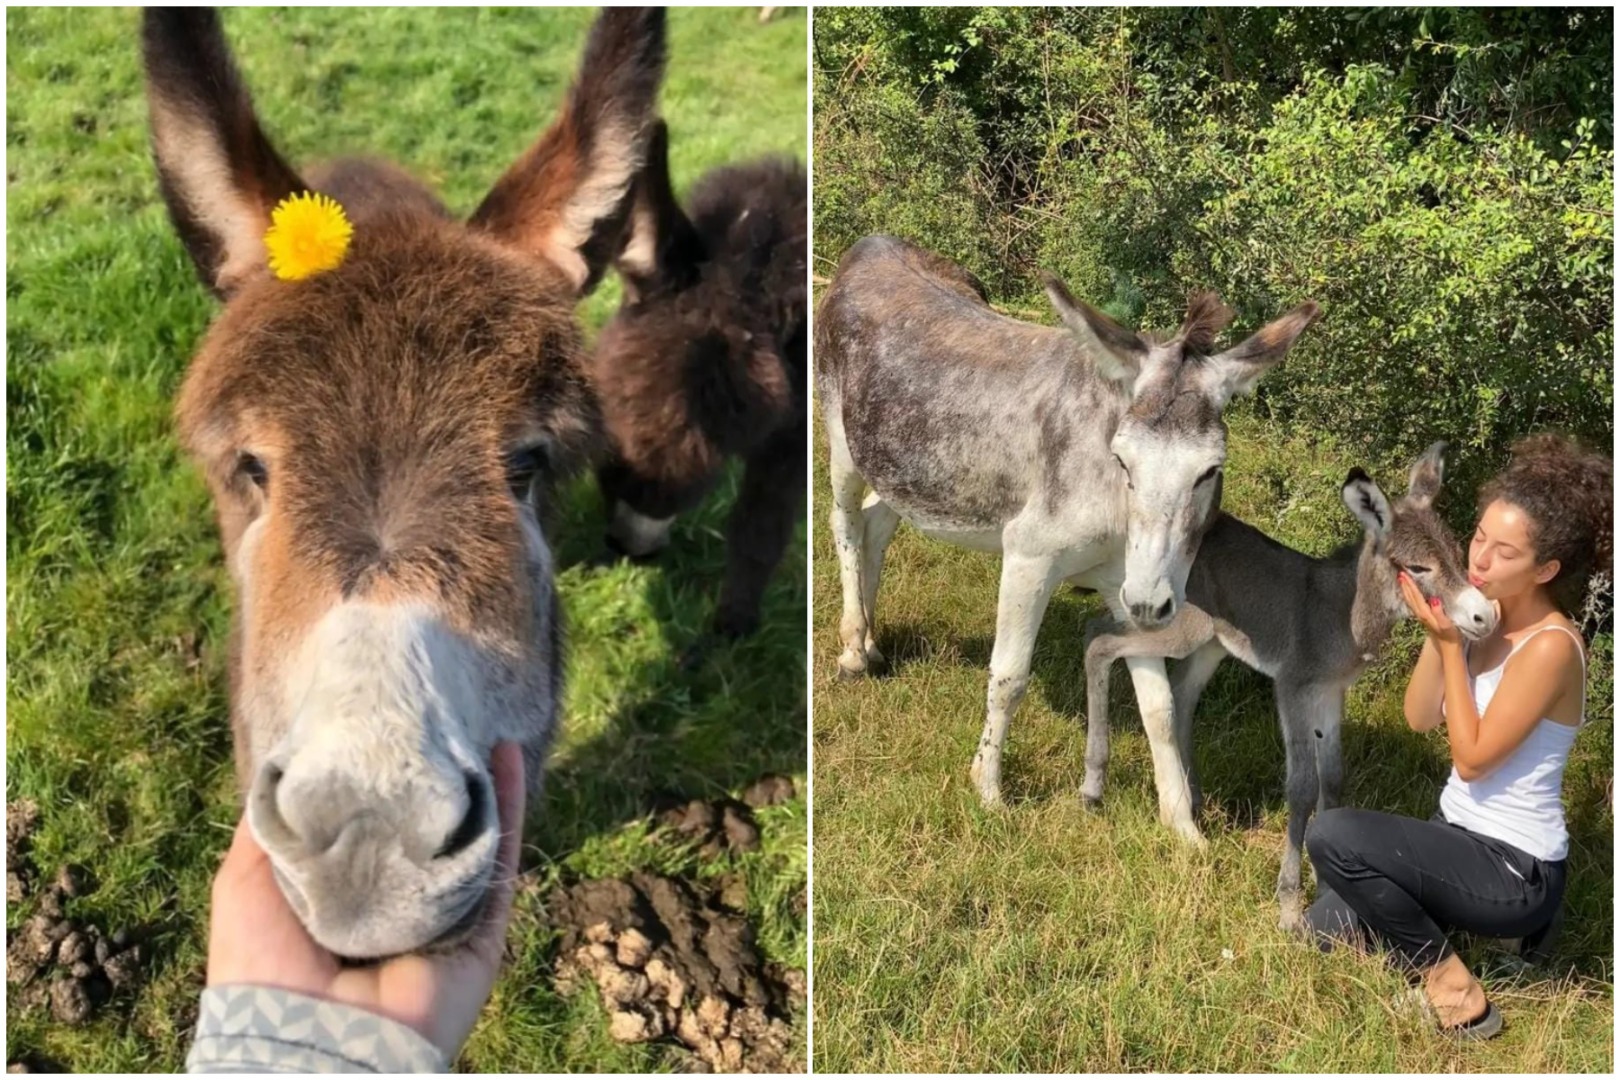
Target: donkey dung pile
x=772 y=789
x=723 y=825
x=672 y=964
x=21 y=818
x=52 y=959
x=714 y=826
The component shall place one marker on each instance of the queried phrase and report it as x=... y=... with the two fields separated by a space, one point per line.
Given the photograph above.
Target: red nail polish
x=1434 y=601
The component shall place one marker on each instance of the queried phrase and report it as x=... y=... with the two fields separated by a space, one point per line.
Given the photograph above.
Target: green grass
x=1044 y=938
x=117 y=598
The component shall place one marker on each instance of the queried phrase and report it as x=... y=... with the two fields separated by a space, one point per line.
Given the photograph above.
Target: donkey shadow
x=700 y=716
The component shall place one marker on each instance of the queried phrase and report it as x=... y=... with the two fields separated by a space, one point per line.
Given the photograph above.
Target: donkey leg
x=1187 y=684
x=1297 y=712
x=849 y=537
x=881 y=522
x=761 y=524
x=1102 y=649
x=1329 y=753
x=1027 y=582
x=1154 y=700
x=1106 y=641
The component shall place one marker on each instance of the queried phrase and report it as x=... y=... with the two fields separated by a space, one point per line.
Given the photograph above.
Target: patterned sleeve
x=258 y=1029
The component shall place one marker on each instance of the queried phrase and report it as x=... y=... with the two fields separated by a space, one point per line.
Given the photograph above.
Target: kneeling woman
x=1492 y=860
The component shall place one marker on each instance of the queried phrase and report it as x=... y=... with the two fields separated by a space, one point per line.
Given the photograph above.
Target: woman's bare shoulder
x=1564 y=644
x=1557 y=655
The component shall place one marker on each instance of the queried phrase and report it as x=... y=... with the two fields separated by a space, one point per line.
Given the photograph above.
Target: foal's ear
x=219 y=174
x=1237 y=370
x=1367 y=502
x=1428 y=473
x=567 y=197
x=1117 y=352
x=660 y=244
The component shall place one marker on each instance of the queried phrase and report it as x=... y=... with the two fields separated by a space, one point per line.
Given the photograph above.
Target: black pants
x=1411 y=881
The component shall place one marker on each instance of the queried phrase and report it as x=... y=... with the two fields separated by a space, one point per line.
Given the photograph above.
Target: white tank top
x=1520 y=802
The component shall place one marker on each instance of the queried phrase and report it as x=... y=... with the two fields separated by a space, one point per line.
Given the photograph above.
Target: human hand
x=254 y=937
x=1429 y=612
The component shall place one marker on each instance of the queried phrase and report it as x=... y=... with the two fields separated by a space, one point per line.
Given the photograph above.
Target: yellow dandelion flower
x=308 y=234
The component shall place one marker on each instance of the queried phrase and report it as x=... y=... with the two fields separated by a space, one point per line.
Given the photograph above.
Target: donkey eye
x=1128 y=484
x=1417 y=569
x=252 y=468
x=522 y=466
x=1207 y=475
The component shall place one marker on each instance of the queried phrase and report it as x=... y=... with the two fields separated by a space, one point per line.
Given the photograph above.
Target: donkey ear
x=219 y=175
x=1238 y=369
x=1117 y=352
x=660 y=243
x=1428 y=473
x=1367 y=502
x=567 y=197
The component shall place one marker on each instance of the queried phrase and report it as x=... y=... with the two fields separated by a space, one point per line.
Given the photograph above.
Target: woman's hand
x=1430 y=612
x=254 y=937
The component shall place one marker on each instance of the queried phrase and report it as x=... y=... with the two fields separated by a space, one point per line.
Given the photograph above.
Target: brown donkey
x=377 y=438
x=705 y=361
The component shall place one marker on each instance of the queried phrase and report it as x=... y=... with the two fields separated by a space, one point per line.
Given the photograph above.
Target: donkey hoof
x=852 y=662
x=1091 y=803
x=1292 y=924
x=1189 y=834
x=987 y=783
x=1292 y=919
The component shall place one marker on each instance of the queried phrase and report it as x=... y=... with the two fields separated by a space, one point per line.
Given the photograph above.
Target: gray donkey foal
x=1090 y=454
x=1309 y=624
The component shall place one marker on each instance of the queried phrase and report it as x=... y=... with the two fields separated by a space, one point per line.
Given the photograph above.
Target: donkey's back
x=753 y=217
x=950 y=410
x=888 y=291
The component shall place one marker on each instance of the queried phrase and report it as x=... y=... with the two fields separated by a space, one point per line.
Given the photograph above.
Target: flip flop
x=1487 y=1025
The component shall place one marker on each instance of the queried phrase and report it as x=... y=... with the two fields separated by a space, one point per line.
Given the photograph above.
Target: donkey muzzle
x=373 y=873
x=1149 y=612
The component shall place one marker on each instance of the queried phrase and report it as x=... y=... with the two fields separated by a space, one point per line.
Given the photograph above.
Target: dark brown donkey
x=705 y=361
x=376 y=438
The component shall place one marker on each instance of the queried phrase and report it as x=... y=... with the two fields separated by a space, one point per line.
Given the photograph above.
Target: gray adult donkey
x=1311 y=625
x=1091 y=454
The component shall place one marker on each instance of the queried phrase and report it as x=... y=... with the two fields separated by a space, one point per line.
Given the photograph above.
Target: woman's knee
x=1332 y=836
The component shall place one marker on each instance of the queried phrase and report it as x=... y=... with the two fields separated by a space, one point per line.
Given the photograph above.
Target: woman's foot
x=1458 y=1000
x=1485 y=1026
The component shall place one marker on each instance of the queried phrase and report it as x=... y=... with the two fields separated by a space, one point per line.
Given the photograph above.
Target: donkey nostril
x=268 y=820
x=1164 y=609
x=472 y=825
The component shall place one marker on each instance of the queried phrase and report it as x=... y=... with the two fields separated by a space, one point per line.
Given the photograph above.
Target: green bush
x=910 y=168
x=1465 y=278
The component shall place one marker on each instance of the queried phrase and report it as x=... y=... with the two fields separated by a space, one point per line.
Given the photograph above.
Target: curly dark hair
x=1568 y=494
